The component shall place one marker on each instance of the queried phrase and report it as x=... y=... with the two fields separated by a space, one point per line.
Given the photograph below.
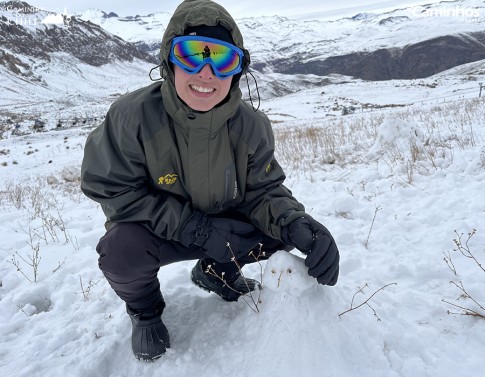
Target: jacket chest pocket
x=232 y=192
x=231 y=187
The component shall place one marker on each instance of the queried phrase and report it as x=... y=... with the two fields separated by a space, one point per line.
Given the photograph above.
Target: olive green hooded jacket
x=154 y=160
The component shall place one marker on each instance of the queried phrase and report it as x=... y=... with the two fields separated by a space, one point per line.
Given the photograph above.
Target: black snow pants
x=130 y=256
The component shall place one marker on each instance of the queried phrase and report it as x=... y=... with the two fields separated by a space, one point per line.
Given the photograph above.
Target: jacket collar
x=205 y=149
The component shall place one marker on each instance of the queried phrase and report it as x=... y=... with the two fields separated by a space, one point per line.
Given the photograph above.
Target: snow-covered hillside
x=392 y=184
x=66 y=90
x=136 y=28
x=268 y=36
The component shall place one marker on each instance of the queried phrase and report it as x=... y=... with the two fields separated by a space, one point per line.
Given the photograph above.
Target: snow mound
x=393 y=134
x=298 y=320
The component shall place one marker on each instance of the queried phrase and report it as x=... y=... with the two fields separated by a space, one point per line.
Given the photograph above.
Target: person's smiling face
x=203 y=90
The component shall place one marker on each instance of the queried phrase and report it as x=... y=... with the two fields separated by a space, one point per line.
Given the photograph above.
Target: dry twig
x=449 y=262
x=255 y=302
x=87 y=290
x=378 y=208
x=464 y=249
x=366 y=302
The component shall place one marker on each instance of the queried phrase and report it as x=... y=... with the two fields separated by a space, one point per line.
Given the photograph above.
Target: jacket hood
x=196 y=13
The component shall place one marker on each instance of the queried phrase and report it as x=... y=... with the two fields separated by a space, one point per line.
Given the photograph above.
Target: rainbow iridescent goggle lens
x=192 y=53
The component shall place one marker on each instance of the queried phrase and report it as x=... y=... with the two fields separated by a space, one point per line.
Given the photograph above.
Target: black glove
x=314 y=240
x=214 y=236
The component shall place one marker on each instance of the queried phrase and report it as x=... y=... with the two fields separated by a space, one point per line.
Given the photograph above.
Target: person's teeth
x=202 y=90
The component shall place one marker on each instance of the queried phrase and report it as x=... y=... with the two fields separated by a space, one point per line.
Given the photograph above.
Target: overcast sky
x=237 y=8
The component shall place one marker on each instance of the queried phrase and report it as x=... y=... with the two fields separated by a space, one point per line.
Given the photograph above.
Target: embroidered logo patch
x=168 y=179
x=269 y=168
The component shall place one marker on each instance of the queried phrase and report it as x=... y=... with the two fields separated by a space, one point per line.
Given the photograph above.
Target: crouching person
x=185 y=170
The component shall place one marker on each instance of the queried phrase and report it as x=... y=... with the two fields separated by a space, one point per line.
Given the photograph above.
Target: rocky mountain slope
x=409 y=43
x=413 y=61
x=27 y=38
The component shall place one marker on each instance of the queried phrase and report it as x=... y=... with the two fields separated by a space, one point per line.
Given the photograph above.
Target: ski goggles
x=192 y=53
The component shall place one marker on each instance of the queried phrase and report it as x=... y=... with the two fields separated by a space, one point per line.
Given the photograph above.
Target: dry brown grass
x=440 y=130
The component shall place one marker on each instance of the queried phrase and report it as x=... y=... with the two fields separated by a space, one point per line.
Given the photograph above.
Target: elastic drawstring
x=249 y=90
x=151 y=70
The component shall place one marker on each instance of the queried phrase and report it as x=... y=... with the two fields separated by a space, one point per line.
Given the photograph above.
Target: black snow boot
x=149 y=337
x=229 y=290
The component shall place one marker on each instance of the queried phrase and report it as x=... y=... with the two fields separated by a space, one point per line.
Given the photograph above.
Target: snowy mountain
x=54 y=61
x=413 y=42
x=33 y=38
x=144 y=31
x=53 y=68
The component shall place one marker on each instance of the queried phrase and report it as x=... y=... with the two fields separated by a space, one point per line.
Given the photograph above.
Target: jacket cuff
x=286 y=219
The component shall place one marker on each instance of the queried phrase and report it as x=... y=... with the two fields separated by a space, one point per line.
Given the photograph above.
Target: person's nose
x=206 y=72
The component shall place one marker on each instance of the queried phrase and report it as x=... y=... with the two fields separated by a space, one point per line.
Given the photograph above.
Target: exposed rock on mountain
x=25 y=38
x=413 y=61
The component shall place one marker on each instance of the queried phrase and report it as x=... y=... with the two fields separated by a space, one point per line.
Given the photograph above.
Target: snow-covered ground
x=401 y=181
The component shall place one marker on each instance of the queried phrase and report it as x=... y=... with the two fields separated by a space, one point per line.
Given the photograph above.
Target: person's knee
x=128 y=250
